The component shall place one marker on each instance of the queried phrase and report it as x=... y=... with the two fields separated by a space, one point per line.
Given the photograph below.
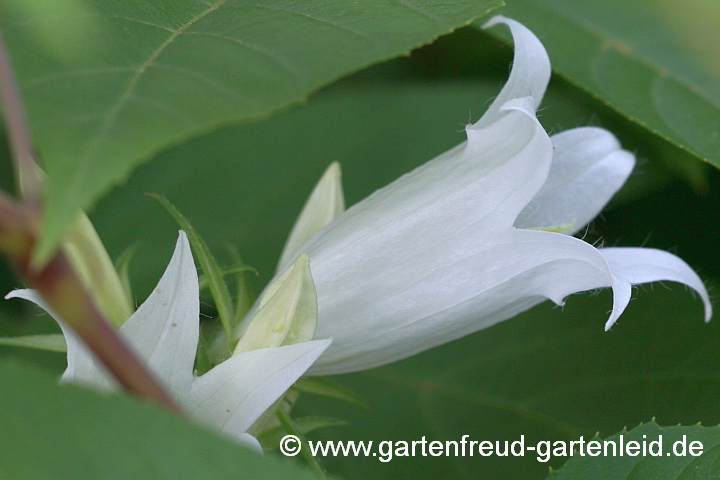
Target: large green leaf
x=64 y=433
x=654 y=61
x=135 y=77
x=670 y=458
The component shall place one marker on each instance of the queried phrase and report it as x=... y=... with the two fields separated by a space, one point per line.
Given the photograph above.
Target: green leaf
x=213 y=273
x=705 y=467
x=139 y=78
x=326 y=387
x=53 y=342
x=271 y=437
x=664 y=462
x=647 y=59
x=66 y=432
x=18 y=319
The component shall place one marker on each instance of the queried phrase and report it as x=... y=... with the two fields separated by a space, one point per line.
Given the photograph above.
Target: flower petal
x=632 y=266
x=82 y=367
x=400 y=306
x=325 y=204
x=164 y=330
x=485 y=182
x=530 y=70
x=401 y=233
x=234 y=394
x=588 y=167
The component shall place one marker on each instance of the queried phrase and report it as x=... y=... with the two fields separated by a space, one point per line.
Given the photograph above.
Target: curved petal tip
x=632 y=266
x=530 y=72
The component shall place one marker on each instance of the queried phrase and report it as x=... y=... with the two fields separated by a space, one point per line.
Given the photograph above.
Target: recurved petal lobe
x=632 y=266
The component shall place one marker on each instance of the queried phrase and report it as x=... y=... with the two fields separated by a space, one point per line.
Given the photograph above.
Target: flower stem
x=292 y=429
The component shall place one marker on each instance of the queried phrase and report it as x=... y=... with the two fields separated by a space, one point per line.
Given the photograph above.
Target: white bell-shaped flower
x=477 y=235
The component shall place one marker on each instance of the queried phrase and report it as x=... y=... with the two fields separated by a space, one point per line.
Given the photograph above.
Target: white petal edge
x=632 y=266
x=530 y=70
x=325 y=204
x=233 y=395
x=82 y=367
x=164 y=331
x=588 y=167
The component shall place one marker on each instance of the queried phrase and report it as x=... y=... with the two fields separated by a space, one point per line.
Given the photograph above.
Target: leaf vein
x=133 y=20
x=165 y=107
x=205 y=79
x=418 y=11
x=38 y=81
x=113 y=113
x=270 y=53
x=320 y=20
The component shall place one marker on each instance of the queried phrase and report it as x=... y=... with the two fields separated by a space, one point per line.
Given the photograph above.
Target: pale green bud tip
x=287 y=311
x=325 y=204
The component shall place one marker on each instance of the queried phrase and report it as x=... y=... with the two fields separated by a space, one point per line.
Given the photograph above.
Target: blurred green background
x=549 y=374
